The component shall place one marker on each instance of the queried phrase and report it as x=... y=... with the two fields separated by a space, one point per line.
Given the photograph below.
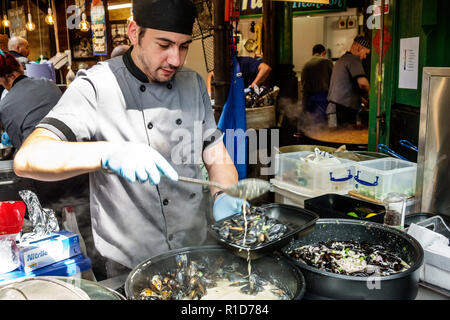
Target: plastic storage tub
x=315 y=178
x=339 y=206
x=376 y=178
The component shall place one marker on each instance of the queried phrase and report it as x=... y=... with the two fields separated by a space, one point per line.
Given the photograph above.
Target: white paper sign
x=409 y=63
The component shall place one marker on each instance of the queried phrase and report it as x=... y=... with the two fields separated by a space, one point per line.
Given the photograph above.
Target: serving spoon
x=246 y=189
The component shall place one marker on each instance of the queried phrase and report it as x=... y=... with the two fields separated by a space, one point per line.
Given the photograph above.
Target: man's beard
x=153 y=77
x=175 y=69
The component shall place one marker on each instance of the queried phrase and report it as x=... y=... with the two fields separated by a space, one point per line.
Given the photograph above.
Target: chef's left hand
x=226 y=206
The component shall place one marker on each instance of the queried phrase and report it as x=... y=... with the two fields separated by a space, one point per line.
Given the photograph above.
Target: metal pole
x=268 y=36
x=222 y=59
x=55 y=25
x=380 y=76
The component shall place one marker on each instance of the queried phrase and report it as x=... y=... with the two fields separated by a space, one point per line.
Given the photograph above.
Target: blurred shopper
x=315 y=80
x=27 y=102
x=349 y=86
x=19 y=48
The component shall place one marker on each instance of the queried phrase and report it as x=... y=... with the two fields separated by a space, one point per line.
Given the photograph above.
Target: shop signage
x=253 y=8
x=17 y=18
x=377 y=7
x=307 y=1
x=98 y=26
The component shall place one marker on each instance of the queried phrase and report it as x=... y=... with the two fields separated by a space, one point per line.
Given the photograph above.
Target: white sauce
x=223 y=291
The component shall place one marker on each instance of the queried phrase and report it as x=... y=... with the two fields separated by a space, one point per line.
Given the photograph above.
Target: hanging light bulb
x=49 y=17
x=30 y=25
x=84 y=24
x=5 y=22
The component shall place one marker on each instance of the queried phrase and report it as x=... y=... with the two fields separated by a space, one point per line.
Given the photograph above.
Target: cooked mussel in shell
x=350 y=258
x=191 y=280
x=261 y=229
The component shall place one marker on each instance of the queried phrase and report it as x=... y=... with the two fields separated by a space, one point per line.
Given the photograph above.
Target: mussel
x=257 y=227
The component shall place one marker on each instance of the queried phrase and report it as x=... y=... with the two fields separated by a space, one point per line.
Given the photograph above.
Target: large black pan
x=327 y=285
x=298 y=221
x=275 y=269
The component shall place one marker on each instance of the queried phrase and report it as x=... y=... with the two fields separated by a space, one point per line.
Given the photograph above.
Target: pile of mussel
x=260 y=228
x=191 y=280
x=350 y=258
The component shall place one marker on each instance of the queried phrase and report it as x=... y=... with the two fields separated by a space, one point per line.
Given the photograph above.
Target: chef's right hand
x=138 y=162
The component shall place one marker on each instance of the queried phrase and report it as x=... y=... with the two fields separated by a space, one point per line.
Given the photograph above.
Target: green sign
x=253 y=8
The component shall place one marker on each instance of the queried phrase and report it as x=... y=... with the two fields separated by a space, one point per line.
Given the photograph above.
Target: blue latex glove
x=5 y=140
x=226 y=206
x=138 y=162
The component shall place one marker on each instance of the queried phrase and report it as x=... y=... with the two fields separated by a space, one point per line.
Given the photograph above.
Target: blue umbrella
x=233 y=121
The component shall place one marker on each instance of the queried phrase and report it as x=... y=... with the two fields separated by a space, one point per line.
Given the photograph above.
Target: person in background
x=20 y=49
x=254 y=72
x=315 y=81
x=349 y=86
x=28 y=100
x=130 y=123
x=119 y=50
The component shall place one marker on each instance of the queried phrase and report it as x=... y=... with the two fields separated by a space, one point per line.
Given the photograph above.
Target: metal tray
x=299 y=222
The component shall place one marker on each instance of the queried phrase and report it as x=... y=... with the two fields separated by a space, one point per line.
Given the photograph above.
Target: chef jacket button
x=170 y=237
x=179 y=121
x=192 y=196
x=165 y=202
x=203 y=122
x=142 y=88
x=150 y=125
x=169 y=86
x=184 y=159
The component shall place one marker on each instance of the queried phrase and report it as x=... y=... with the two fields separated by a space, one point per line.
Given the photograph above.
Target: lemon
x=370 y=215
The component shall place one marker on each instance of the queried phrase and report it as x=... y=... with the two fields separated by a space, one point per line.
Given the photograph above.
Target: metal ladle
x=245 y=189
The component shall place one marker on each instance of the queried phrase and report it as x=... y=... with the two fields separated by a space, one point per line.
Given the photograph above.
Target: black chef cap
x=167 y=15
x=362 y=41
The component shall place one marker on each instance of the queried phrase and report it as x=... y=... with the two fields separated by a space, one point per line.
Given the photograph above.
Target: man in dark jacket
x=315 y=82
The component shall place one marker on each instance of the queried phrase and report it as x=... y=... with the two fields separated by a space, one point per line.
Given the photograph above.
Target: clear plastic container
x=395 y=204
x=313 y=177
x=377 y=178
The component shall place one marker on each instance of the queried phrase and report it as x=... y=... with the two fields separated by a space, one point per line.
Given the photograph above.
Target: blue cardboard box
x=66 y=268
x=56 y=247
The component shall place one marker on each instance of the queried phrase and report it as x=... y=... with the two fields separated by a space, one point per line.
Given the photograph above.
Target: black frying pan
x=327 y=285
x=275 y=269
